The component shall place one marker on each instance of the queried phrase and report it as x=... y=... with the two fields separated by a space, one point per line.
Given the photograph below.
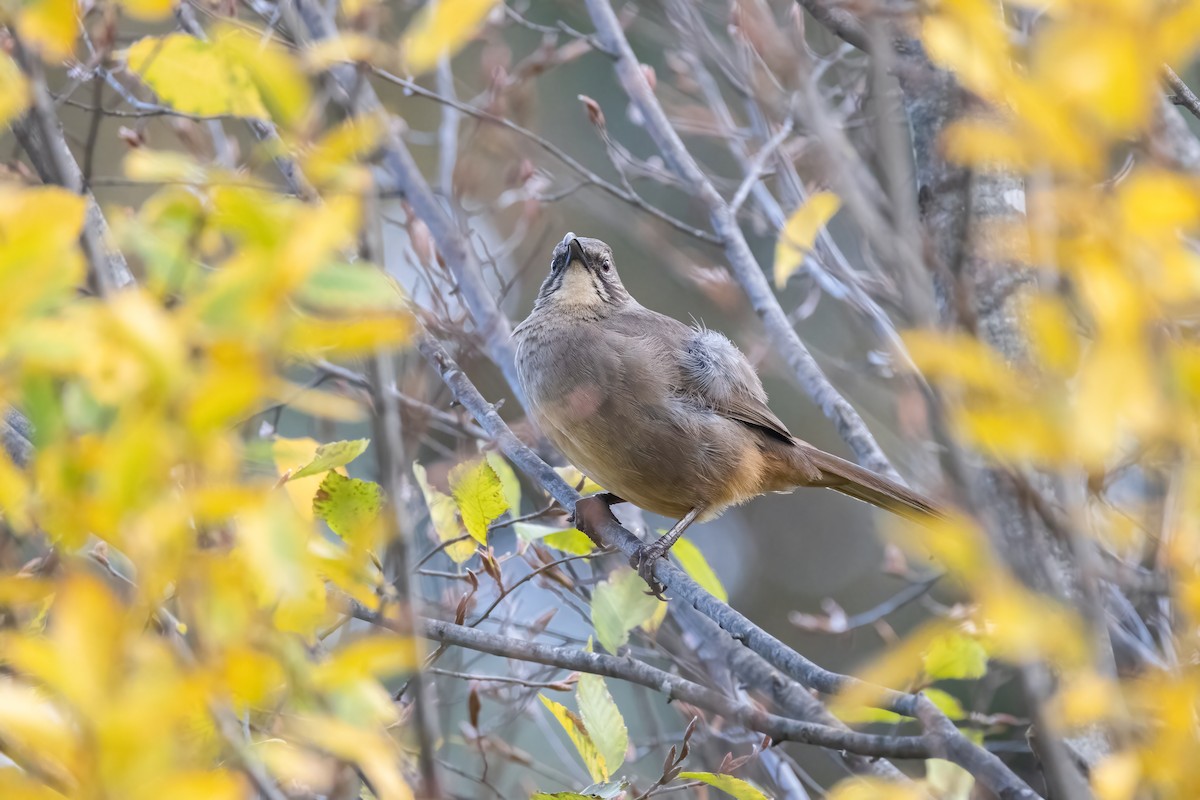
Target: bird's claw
x=643 y=560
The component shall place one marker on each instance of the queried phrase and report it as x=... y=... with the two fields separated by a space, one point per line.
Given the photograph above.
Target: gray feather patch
x=716 y=369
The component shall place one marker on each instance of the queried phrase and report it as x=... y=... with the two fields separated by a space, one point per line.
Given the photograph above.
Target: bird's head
x=582 y=277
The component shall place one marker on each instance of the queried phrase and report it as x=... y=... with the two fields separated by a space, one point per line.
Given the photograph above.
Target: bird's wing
x=719 y=375
x=707 y=367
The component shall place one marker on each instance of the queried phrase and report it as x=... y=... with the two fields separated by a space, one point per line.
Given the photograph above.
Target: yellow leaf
x=969 y=39
x=149 y=10
x=955 y=656
x=479 y=496
x=656 y=620
x=291 y=454
x=375 y=657
x=696 y=565
x=603 y=720
x=40 y=262
x=580 y=482
x=572 y=541
x=215 y=785
x=947 y=780
x=946 y=702
x=736 y=787
x=273 y=544
x=14 y=90
x=1097 y=69
x=441 y=28
x=899 y=667
x=353 y=47
x=332 y=455
x=163 y=166
x=87 y=628
x=577 y=733
x=1020 y=626
x=960 y=358
x=1052 y=332
x=800 y=231
x=170 y=65
x=1117 y=777
x=36 y=729
x=985 y=144
x=251 y=677
x=509 y=482
x=347 y=338
x=348 y=288
x=1085 y=699
x=875 y=789
x=50 y=26
x=276 y=75
x=334 y=161
x=373 y=752
x=309 y=772
x=16 y=784
x=1008 y=431
x=443 y=514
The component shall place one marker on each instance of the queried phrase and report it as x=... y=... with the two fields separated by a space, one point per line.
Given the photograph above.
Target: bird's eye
x=605 y=265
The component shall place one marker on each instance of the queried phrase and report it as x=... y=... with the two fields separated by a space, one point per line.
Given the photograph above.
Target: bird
x=668 y=416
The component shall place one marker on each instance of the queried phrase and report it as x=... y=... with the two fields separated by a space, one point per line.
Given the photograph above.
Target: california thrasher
x=669 y=417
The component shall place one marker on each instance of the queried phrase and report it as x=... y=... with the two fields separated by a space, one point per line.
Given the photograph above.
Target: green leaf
x=865 y=715
x=571 y=540
x=948 y=703
x=727 y=784
x=331 y=456
x=479 y=495
x=603 y=719
x=508 y=479
x=350 y=507
x=345 y=287
x=577 y=733
x=800 y=231
x=955 y=656
x=619 y=605
x=696 y=565
x=443 y=513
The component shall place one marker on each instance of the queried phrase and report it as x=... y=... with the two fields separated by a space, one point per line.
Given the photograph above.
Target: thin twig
x=1184 y=96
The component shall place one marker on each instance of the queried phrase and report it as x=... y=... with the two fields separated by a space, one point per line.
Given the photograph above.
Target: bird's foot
x=643 y=560
x=607 y=498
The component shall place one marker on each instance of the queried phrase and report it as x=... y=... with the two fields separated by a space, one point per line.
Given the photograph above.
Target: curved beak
x=575 y=250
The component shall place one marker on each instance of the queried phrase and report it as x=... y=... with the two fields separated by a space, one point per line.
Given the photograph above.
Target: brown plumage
x=669 y=417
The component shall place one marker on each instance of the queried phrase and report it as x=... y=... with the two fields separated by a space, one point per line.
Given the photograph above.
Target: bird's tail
x=870 y=487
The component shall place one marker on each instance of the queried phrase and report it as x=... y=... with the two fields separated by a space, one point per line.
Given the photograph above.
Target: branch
x=674 y=687
x=951 y=744
x=841 y=23
x=403 y=175
x=724 y=222
x=40 y=134
x=1184 y=96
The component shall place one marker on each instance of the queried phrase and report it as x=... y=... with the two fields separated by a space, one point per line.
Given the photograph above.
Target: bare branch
x=40 y=134
x=674 y=687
